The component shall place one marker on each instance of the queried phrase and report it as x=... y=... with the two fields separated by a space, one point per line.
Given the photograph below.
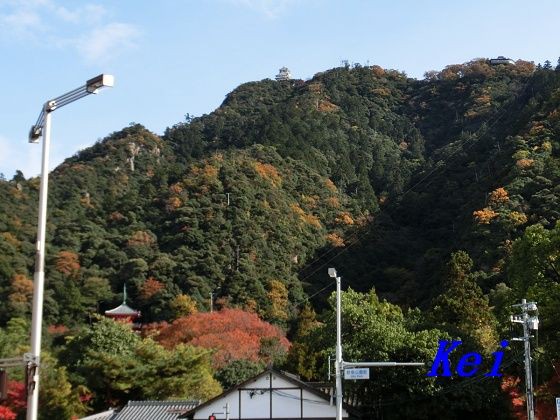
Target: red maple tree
x=15 y=402
x=234 y=334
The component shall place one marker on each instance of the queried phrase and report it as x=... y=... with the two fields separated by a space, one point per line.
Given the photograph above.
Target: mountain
x=359 y=167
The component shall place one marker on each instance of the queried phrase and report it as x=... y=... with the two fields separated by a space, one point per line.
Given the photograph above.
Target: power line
x=307 y=299
x=355 y=238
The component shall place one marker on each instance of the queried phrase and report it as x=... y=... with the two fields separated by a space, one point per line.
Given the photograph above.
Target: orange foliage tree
x=234 y=334
x=524 y=163
x=68 y=263
x=141 y=238
x=268 y=171
x=150 y=288
x=344 y=218
x=485 y=216
x=335 y=240
x=498 y=196
x=21 y=293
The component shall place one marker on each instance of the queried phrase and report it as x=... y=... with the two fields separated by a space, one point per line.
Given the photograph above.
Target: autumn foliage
x=304 y=217
x=21 y=292
x=498 y=196
x=6 y=413
x=68 y=263
x=15 y=402
x=268 y=171
x=524 y=163
x=150 y=288
x=183 y=305
x=140 y=238
x=510 y=386
x=485 y=216
x=335 y=240
x=344 y=218
x=234 y=333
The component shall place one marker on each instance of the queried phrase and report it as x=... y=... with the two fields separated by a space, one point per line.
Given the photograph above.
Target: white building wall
x=286 y=403
x=256 y=400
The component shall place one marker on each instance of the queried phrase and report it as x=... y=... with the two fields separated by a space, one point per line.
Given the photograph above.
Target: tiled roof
x=154 y=410
x=106 y=415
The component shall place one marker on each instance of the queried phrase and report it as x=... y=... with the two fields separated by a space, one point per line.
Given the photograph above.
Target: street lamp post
x=42 y=128
x=338 y=362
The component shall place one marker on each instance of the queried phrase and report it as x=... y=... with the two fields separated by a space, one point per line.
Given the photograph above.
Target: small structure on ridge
x=283 y=74
x=500 y=60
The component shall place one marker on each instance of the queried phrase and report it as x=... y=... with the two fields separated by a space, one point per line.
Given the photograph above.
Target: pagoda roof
x=123 y=310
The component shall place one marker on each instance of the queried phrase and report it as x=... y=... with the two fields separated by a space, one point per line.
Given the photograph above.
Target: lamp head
x=332 y=272
x=35 y=134
x=98 y=82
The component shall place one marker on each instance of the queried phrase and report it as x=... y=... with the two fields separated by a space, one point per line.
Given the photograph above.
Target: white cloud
x=19 y=155
x=87 y=29
x=89 y=14
x=270 y=8
x=107 y=41
x=72 y=16
x=22 y=18
x=20 y=22
x=94 y=13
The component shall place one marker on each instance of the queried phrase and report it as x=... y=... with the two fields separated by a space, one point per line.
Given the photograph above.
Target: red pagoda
x=124 y=313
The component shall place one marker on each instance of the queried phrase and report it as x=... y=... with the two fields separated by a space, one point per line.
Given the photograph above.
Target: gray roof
x=122 y=309
x=106 y=415
x=154 y=410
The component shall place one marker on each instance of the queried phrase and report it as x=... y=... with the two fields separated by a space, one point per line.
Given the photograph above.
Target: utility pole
x=529 y=323
x=212 y=293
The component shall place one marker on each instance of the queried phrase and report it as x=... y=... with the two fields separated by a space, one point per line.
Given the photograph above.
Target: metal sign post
x=356 y=373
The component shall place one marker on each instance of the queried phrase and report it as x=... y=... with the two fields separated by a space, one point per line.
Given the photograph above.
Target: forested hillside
x=440 y=194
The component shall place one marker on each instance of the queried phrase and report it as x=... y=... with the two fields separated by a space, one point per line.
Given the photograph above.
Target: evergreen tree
x=462 y=309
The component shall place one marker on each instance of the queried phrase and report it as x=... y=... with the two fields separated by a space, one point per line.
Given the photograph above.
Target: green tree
x=535 y=258
x=14 y=337
x=58 y=399
x=533 y=270
x=462 y=309
x=238 y=371
x=117 y=365
x=373 y=330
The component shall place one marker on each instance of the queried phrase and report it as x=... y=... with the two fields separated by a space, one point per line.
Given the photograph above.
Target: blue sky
x=172 y=57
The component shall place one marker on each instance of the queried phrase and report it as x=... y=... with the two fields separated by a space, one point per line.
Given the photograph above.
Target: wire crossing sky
x=174 y=57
